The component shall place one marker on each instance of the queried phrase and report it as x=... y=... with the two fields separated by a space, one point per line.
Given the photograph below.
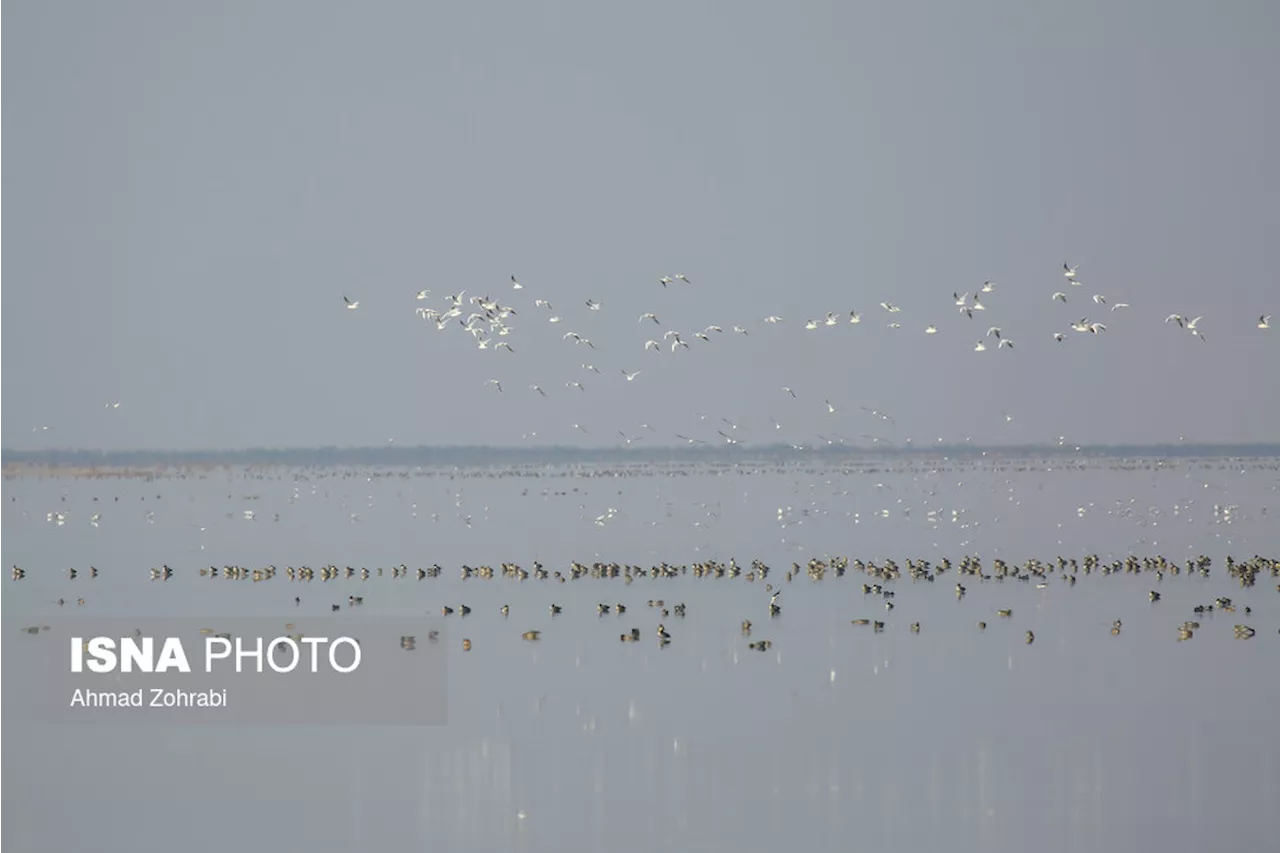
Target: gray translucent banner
x=397 y=677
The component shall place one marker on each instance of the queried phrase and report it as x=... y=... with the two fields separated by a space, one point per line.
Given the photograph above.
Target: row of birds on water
x=1244 y=571
x=881 y=582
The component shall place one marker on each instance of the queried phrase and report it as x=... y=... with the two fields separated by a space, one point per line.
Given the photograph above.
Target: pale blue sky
x=192 y=188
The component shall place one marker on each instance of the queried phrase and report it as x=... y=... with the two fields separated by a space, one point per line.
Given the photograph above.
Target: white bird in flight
x=831 y=410
x=1005 y=342
x=1175 y=318
x=988 y=286
x=538 y=388
x=1059 y=337
x=1100 y=299
x=665 y=280
x=593 y=305
x=1119 y=305
x=773 y=318
x=1069 y=272
x=855 y=317
x=931 y=330
x=495 y=383
x=651 y=345
x=351 y=306
x=631 y=376
x=515 y=285
x=1059 y=296
x=994 y=331
x=649 y=316
x=979 y=347
x=788 y=390
x=577 y=385
x=682 y=277
x=113 y=405
x=1264 y=321
x=422 y=294
x=892 y=309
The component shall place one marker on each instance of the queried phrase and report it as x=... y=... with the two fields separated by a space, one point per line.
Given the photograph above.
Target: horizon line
x=8 y=455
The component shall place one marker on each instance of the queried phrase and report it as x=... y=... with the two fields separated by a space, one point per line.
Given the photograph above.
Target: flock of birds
x=883 y=581
x=489 y=323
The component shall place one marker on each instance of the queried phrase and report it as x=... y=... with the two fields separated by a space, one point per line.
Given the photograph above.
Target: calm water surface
x=835 y=738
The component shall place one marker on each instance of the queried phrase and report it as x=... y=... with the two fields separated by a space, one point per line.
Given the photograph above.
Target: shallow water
x=837 y=736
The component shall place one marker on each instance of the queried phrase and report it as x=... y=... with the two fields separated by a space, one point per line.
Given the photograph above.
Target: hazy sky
x=193 y=188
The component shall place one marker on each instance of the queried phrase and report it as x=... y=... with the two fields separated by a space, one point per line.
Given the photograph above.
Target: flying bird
x=495 y=383
x=855 y=317
x=651 y=345
x=980 y=347
x=538 y=388
x=665 y=280
x=682 y=277
x=1005 y=342
x=994 y=331
x=931 y=330
x=593 y=305
x=648 y=316
x=1264 y=321
x=631 y=376
x=1119 y=305
x=1060 y=297
x=1100 y=299
x=892 y=309
x=1069 y=272
x=422 y=294
x=788 y=390
x=1059 y=337
x=988 y=286
x=515 y=285
x=351 y=306
x=1176 y=318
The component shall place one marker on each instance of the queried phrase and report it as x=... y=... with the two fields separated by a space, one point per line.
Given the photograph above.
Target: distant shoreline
x=147 y=463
